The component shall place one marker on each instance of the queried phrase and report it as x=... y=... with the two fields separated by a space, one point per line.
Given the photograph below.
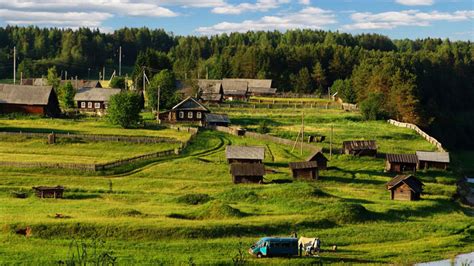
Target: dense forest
x=429 y=82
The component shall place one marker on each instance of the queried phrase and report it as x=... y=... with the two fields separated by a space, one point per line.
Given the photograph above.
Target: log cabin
x=212 y=120
x=399 y=163
x=360 y=147
x=319 y=158
x=49 y=192
x=188 y=110
x=305 y=170
x=38 y=100
x=247 y=172
x=245 y=154
x=437 y=160
x=234 y=90
x=405 y=187
x=94 y=99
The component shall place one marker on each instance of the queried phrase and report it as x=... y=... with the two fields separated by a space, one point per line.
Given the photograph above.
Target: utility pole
x=103 y=74
x=88 y=73
x=207 y=72
x=158 y=106
x=14 y=65
x=302 y=133
x=120 y=61
x=144 y=75
x=21 y=78
x=329 y=93
x=330 y=142
x=65 y=75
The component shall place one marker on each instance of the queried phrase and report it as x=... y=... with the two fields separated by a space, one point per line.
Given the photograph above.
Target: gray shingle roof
x=190 y=104
x=428 y=156
x=234 y=86
x=316 y=155
x=245 y=152
x=303 y=165
x=247 y=169
x=262 y=90
x=255 y=83
x=402 y=158
x=360 y=144
x=95 y=94
x=24 y=94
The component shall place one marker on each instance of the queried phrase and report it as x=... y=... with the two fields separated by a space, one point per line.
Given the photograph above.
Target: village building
x=305 y=170
x=234 y=90
x=437 y=160
x=94 y=99
x=405 y=187
x=212 y=120
x=79 y=84
x=319 y=158
x=188 y=110
x=185 y=89
x=258 y=87
x=245 y=154
x=210 y=90
x=39 y=100
x=360 y=147
x=49 y=192
x=400 y=163
x=247 y=172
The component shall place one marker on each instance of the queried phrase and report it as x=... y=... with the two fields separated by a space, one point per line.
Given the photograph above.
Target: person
x=317 y=245
x=301 y=249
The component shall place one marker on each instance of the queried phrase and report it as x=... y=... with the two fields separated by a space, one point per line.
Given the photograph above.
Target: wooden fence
x=279 y=105
x=429 y=138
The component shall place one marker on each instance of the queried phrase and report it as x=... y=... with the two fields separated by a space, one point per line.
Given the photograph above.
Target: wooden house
x=437 y=160
x=400 y=163
x=247 y=172
x=188 y=110
x=319 y=158
x=360 y=147
x=245 y=154
x=405 y=187
x=49 y=192
x=305 y=170
x=221 y=120
x=210 y=90
x=40 y=100
x=80 y=83
x=94 y=99
x=258 y=87
x=234 y=90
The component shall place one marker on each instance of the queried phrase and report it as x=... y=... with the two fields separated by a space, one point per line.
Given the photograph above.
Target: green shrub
x=346 y=213
x=219 y=210
x=124 y=109
x=20 y=194
x=445 y=180
x=239 y=194
x=194 y=199
x=122 y=212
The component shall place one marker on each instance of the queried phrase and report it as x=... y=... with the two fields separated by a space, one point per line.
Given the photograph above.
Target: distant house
x=319 y=158
x=221 y=120
x=245 y=154
x=399 y=163
x=210 y=90
x=305 y=170
x=360 y=147
x=258 y=87
x=405 y=187
x=438 y=160
x=234 y=90
x=93 y=99
x=247 y=172
x=79 y=84
x=49 y=192
x=41 y=100
x=188 y=110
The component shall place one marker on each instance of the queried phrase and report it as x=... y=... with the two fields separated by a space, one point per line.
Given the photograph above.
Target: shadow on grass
x=80 y=196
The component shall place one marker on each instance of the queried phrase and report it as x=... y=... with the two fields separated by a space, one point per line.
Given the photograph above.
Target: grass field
x=184 y=209
x=291 y=100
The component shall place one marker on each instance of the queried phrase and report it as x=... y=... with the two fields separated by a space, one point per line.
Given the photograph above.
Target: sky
x=397 y=19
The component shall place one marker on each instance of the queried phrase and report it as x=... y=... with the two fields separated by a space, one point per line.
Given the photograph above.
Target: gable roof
x=317 y=155
x=303 y=165
x=190 y=104
x=217 y=118
x=412 y=182
x=25 y=94
x=247 y=169
x=95 y=94
x=439 y=157
x=245 y=152
x=255 y=83
x=211 y=97
x=402 y=158
x=234 y=86
x=210 y=85
x=360 y=144
x=262 y=90
x=78 y=84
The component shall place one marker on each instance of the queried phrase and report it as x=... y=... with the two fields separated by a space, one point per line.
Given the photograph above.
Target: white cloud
x=310 y=17
x=305 y=2
x=394 y=19
x=415 y=2
x=258 y=6
x=69 y=19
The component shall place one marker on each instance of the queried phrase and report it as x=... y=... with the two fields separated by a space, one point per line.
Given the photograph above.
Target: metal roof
x=247 y=169
x=245 y=152
x=95 y=94
x=429 y=156
x=402 y=158
x=25 y=94
x=303 y=165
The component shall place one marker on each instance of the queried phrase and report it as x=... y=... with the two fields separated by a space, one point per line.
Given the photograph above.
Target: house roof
x=254 y=83
x=95 y=94
x=303 y=165
x=360 y=144
x=211 y=97
x=48 y=188
x=414 y=184
x=317 y=155
x=190 y=104
x=402 y=158
x=234 y=86
x=217 y=118
x=262 y=90
x=25 y=94
x=210 y=85
x=428 y=156
x=247 y=169
x=245 y=152
x=77 y=84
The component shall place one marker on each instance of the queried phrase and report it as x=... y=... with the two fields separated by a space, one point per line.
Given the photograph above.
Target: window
x=190 y=114
x=181 y=114
x=83 y=104
x=89 y=105
x=198 y=115
x=97 y=105
x=105 y=105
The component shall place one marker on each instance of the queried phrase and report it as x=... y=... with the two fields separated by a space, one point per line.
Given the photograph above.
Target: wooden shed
x=405 y=187
x=216 y=120
x=210 y=90
x=437 y=160
x=235 y=90
x=360 y=147
x=305 y=170
x=400 y=163
x=40 y=100
x=49 y=192
x=247 y=172
x=188 y=110
x=245 y=154
x=94 y=99
x=319 y=158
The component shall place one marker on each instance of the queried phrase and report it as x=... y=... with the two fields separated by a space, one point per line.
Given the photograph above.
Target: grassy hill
x=185 y=209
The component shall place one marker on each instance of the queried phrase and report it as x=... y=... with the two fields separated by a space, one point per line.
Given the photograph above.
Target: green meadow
x=184 y=209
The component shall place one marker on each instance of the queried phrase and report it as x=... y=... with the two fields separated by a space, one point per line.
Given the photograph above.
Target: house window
x=97 y=105
x=83 y=104
x=190 y=114
x=106 y=105
x=181 y=114
x=198 y=115
x=89 y=105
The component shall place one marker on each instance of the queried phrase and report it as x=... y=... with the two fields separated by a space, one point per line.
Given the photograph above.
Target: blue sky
x=398 y=19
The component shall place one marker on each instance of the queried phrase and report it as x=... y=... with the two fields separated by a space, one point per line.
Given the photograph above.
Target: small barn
x=319 y=158
x=79 y=84
x=210 y=90
x=94 y=99
x=305 y=170
x=437 y=160
x=360 y=147
x=244 y=154
x=221 y=120
x=405 y=187
x=39 y=100
x=247 y=172
x=258 y=87
x=234 y=90
x=188 y=110
x=400 y=163
x=49 y=192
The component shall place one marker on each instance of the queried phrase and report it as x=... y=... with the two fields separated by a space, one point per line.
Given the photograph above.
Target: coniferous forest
x=429 y=82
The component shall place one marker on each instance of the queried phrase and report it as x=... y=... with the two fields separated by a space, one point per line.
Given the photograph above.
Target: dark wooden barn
x=188 y=110
x=437 y=160
x=400 y=163
x=49 y=192
x=40 y=100
x=221 y=120
x=405 y=187
x=94 y=99
x=247 y=172
x=320 y=159
x=244 y=154
x=305 y=170
x=360 y=147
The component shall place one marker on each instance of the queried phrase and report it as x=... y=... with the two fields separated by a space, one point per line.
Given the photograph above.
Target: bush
x=194 y=199
x=372 y=107
x=124 y=109
x=125 y=212
x=263 y=127
x=20 y=194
